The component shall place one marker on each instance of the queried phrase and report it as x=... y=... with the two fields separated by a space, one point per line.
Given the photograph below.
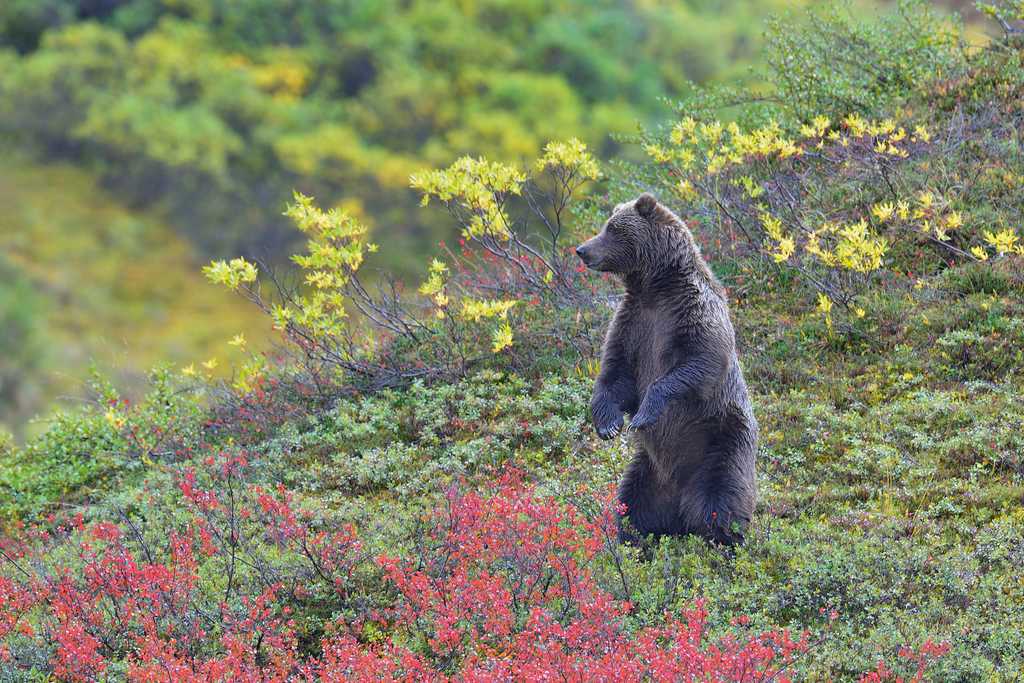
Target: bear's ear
x=646 y=204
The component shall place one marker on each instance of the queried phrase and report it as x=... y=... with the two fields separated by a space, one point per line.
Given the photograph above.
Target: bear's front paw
x=609 y=429
x=644 y=418
x=608 y=419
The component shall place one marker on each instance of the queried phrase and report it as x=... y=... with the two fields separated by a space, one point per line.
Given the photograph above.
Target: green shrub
x=85 y=454
x=978 y=278
x=77 y=454
x=843 y=61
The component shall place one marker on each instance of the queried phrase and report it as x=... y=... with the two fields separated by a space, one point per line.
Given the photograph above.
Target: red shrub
x=499 y=588
x=927 y=653
x=501 y=591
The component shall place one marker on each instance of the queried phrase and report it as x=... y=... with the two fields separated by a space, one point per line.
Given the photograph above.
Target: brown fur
x=669 y=360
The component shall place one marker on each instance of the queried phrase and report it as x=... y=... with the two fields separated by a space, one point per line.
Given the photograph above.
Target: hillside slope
x=891 y=481
x=430 y=502
x=102 y=283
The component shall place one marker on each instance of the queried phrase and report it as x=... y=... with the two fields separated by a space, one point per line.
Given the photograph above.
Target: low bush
x=512 y=287
x=244 y=584
x=859 y=174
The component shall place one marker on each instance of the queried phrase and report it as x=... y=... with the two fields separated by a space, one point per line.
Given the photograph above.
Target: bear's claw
x=609 y=432
x=608 y=417
x=641 y=421
x=607 y=429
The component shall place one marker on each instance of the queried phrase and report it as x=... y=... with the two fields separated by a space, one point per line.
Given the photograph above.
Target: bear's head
x=634 y=237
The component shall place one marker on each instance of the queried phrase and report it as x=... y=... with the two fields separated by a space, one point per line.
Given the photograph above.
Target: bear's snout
x=588 y=253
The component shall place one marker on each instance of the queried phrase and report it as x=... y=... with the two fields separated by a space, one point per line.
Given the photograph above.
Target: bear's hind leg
x=718 y=502
x=709 y=515
x=650 y=508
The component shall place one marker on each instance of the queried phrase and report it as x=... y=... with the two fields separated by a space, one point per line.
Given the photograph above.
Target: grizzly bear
x=669 y=360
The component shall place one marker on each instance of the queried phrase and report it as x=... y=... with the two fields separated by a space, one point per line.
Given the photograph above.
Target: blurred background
x=141 y=138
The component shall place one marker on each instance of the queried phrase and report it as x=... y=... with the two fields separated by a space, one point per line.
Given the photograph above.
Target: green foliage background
x=214 y=108
x=199 y=117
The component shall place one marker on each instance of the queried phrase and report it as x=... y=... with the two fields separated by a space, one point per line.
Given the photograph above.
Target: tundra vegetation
x=407 y=486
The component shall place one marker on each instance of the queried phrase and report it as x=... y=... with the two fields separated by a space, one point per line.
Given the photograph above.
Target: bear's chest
x=649 y=344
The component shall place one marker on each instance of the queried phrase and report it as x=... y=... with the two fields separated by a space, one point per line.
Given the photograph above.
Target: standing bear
x=669 y=360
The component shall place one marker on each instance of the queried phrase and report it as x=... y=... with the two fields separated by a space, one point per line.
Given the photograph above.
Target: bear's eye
x=620 y=230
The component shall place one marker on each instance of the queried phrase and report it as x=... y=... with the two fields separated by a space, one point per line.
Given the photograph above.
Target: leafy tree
x=211 y=107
